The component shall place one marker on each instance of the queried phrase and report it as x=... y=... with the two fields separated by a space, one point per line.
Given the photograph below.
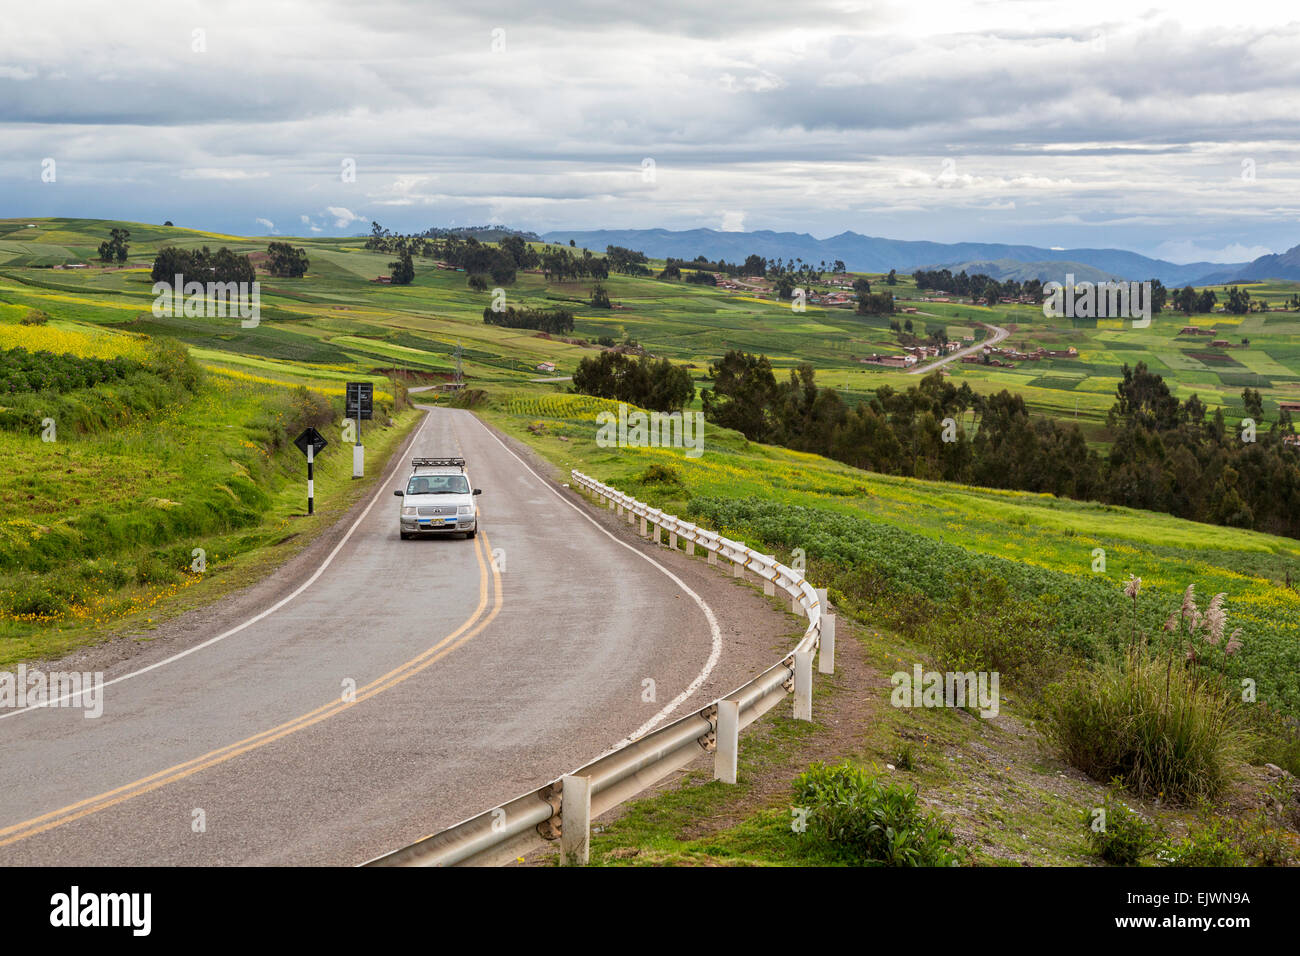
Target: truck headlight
x=465 y=510
x=408 y=512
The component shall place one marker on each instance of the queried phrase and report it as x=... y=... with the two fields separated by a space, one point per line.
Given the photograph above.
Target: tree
x=755 y=265
x=876 y=304
x=1254 y=404
x=516 y=249
x=284 y=261
x=839 y=268
x=743 y=395
x=403 y=270
x=114 y=248
x=1238 y=301
x=167 y=223
x=892 y=278
x=659 y=386
x=201 y=265
x=599 y=297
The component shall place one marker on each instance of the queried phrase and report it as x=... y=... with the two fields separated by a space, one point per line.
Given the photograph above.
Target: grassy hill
x=173 y=435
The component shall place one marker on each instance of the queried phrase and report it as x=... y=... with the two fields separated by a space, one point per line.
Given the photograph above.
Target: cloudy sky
x=1168 y=129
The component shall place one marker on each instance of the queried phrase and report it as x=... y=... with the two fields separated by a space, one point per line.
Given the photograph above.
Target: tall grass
x=1161 y=726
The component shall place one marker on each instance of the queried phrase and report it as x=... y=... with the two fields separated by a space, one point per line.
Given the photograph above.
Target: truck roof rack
x=438 y=463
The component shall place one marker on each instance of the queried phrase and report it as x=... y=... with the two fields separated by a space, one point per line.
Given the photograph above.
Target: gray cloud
x=1130 y=129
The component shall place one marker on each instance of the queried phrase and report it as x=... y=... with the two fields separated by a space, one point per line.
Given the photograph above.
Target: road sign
x=310 y=442
x=360 y=401
x=310 y=438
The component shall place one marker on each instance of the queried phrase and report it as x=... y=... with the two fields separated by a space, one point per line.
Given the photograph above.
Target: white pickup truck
x=438 y=499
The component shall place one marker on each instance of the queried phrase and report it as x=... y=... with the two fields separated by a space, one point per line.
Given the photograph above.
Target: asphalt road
x=481 y=669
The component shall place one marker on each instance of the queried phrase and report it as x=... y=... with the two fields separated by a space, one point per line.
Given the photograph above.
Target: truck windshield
x=438 y=485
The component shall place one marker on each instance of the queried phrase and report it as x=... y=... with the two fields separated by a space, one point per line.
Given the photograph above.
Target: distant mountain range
x=871 y=254
x=1004 y=269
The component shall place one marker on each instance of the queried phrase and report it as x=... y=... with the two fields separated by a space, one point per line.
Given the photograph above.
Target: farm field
x=336 y=325
x=336 y=317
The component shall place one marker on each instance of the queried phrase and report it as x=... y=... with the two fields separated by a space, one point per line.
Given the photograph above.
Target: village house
x=546 y=367
x=1196 y=330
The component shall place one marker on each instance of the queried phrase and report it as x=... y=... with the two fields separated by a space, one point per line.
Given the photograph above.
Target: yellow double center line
x=472 y=626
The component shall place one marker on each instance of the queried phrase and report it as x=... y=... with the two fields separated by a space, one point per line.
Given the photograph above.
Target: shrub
x=1120 y=835
x=154 y=570
x=1159 y=727
x=660 y=475
x=1209 y=845
x=864 y=821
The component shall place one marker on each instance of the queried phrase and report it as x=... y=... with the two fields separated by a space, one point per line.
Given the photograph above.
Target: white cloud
x=211 y=172
x=343 y=217
x=268 y=225
x=733 y=222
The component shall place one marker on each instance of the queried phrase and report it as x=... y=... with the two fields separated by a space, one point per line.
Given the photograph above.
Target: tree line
x=1167 y=455
x=657 y=385
x=551 y=321
x=202 y=265
x=498 y=264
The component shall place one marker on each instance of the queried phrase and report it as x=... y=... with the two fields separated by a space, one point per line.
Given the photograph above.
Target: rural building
x=546 y=367
x=1288 y=406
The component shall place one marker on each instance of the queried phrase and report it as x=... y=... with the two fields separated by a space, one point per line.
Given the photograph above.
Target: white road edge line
x=714 y=630
x=252 y=620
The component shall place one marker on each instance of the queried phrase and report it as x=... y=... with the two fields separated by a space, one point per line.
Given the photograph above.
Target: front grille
x=430 y=511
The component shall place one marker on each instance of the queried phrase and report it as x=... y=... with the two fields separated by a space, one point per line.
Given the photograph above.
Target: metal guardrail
x=563 y=809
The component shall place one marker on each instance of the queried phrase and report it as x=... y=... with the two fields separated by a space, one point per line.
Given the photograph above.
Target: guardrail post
x=713 y=557
x=803 y=685
x=620 y=508
x=821 y=597
x=727 y=746
x=690 y=549
x=826 y=646
x=611 y=504
x=643 y=531
x=575 y=820
x=631 y=517
x=795 y=606
x=672 y=540
x=658 y=535
x=769 y=587
x=738 y=569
